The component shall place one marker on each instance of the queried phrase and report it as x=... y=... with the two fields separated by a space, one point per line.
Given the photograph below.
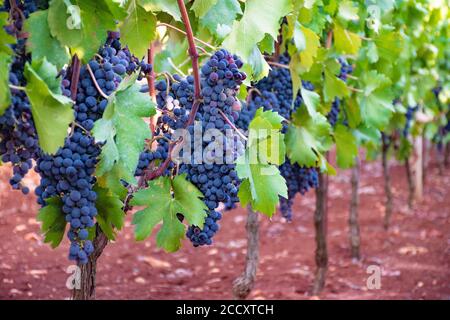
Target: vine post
x=418 y=169
x=387 y=182
x=447 y=155
x=320 y=225
x=243 y=285
x=354 y=234
x=89 y=270
x=411 y=187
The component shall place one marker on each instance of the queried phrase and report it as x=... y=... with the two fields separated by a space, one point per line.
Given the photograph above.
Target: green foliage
x=308 y=138
x=163 y=200
x=41 y=42
x=260 y=17
x=126 y=109
x=110 y=215
x=53 y=221
x=138 y=29
x=52 y=112
x=5 y=95
x=257 y=167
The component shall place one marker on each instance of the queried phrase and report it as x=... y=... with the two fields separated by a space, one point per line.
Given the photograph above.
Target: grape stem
x=17 y=87
x=232 y=125
x=95 y=82
x=151 y=82
x=250 y=92
x=183 y=32
x=279 y=65
x=329 y=39
x=175 y=67
x=75 y=69
x=194 y=57
x=197 y=89
x=355 y=89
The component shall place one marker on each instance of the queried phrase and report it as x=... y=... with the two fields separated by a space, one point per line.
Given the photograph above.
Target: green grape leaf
x=5 y=95
x=256 y=167
x=310 y=52
x=348 y=10
x=311 y=100
x=52 y=112
x=219 y=19
x=346 y=41
x=254 y=186
x=389 y=45
x=260 y=17
x=5 y=39
x=307 y=138
x=376 y=99
x=138 y=29
x=112 y=180
x=333 y=86
x=346 y=148
x=265 y=141
x=82 y=26
x=53 y=221
x=201 y=7
x=41 y=43
x=126 y=109
x=168 y=6
x=163 y=199
x=110 y=215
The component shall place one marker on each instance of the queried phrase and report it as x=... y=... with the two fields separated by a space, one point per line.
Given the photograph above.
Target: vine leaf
x=110 y=212
x=5 y=39
x=5 y=59
x=260 y=17
x=126 y=109
x=389 y=45
x=312 y=44
x=82 y=26
x=333 y=86
x=219 y=18
x=311 y=100
x=5 y=95
x=257 y=166
x=376 y=99
x=163 y=199
x=138 y=29
x=307 y=138
x=52 y=112
x=346 y=41
x=348 y=10
x=112 y=180
x=201 y=7
x=53 y=221
x=346 y=147
x=42 y=43
x=168 y=6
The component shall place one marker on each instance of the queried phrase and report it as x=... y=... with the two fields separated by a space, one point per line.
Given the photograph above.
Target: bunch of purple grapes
x=18 y=137
x=346 y=69
x=409 y=115
x=212 y=173
x=69 y=174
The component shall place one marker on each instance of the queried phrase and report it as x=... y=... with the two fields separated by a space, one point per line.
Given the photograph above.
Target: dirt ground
x=414 y=254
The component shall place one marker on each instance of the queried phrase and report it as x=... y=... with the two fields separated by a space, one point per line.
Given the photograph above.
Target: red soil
x=414 y=254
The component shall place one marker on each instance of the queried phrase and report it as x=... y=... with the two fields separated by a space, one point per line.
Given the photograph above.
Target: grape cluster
x=298 y=179
x=346 y=69
x=214 y=175
x=333 y=115
x=18 y=137
x=409 y=115
x=69 y=174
